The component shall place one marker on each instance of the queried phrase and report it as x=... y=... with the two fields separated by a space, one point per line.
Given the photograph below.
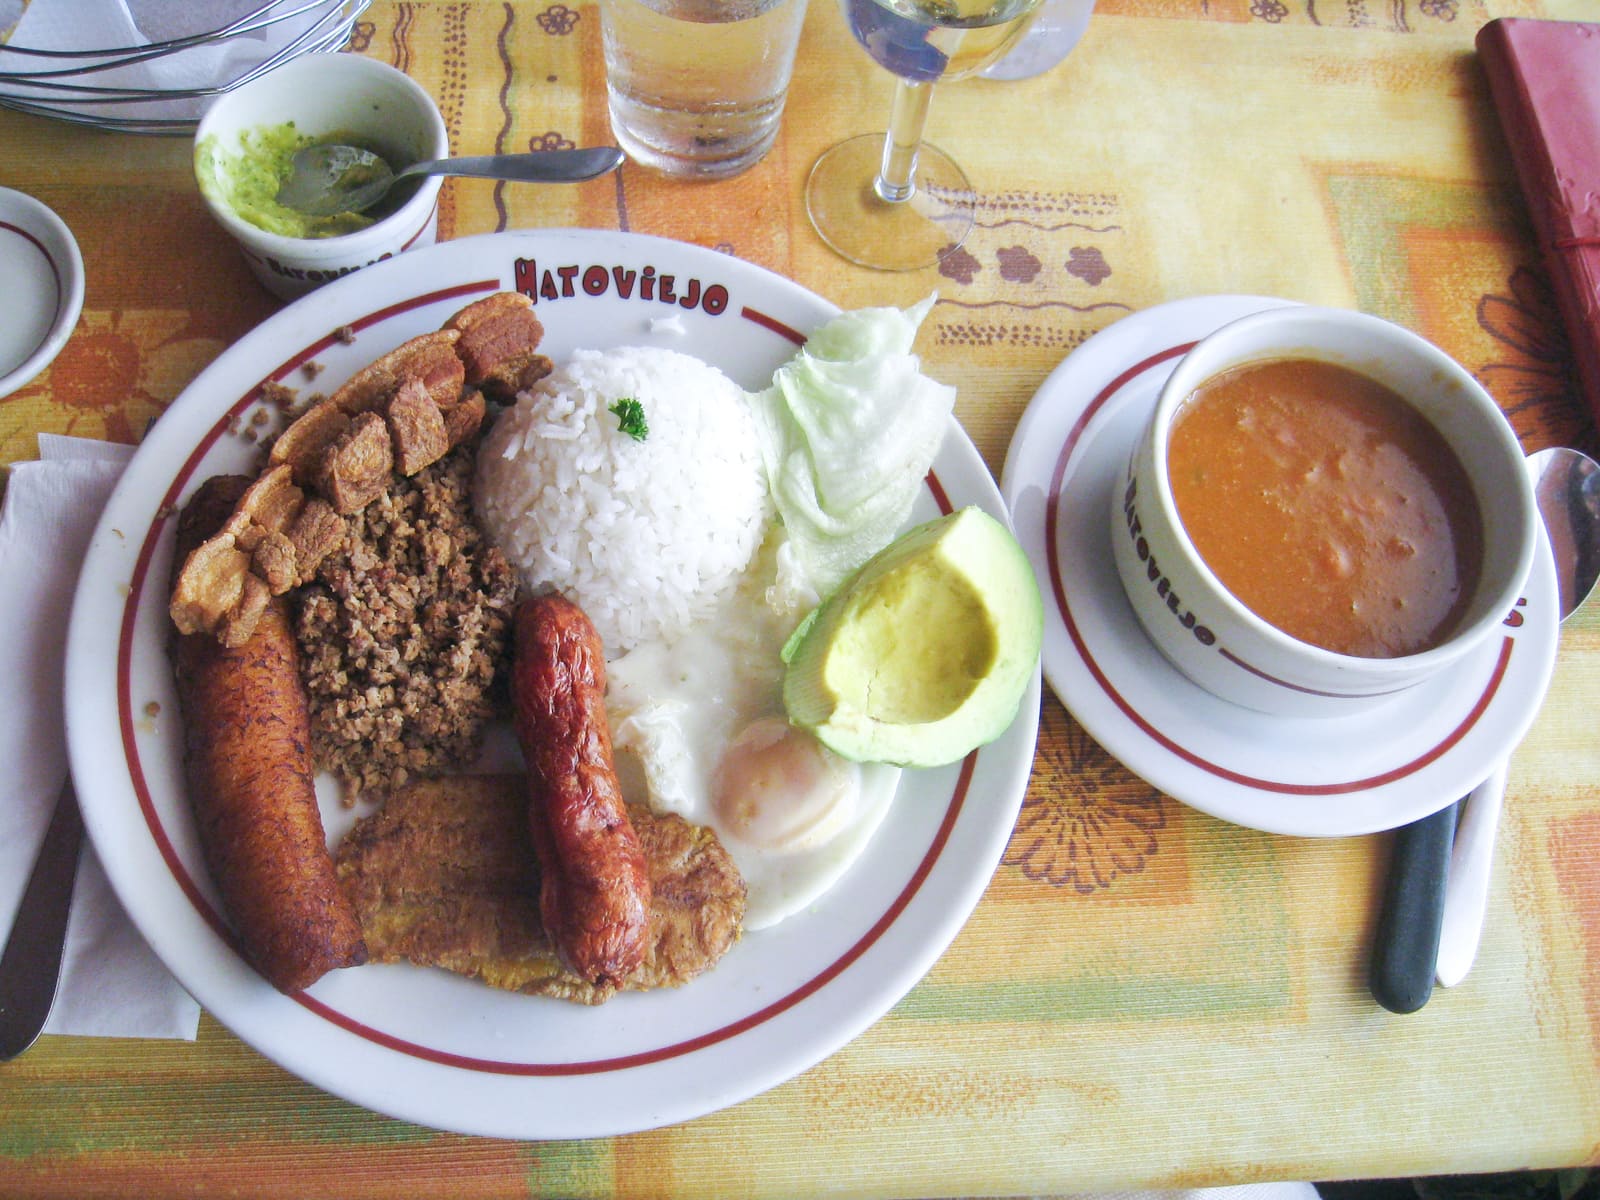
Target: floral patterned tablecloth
x=1145 y=996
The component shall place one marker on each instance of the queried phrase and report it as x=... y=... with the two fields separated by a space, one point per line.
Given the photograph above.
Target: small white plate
x=422 y=1044
x=1379 y=769
x=41 y=278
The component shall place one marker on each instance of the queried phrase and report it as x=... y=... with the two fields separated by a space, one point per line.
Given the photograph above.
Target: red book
x=1544 y=80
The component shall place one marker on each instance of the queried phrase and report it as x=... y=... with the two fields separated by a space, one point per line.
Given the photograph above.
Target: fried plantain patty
x=444 y=876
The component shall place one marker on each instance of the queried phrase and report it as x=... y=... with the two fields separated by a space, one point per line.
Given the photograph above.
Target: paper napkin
x=112 y=984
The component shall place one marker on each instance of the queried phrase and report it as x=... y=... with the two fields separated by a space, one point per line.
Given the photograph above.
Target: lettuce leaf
x=849 y=428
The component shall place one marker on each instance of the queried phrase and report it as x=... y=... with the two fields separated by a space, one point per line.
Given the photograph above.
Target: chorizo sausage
x=247 y=760
x=594 y=895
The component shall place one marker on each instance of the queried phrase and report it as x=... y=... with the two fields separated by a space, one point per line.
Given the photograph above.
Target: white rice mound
x=645 y=536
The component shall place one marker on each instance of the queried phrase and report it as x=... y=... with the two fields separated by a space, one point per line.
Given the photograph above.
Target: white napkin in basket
x=112 y=984
x=91 y=25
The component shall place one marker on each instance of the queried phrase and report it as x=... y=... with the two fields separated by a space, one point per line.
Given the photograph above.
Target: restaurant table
x=1146 y=996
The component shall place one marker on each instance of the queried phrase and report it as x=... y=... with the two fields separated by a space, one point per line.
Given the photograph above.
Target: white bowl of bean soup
x=1324 y=510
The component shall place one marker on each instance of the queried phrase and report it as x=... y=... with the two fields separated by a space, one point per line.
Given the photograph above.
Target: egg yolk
x=778 y=789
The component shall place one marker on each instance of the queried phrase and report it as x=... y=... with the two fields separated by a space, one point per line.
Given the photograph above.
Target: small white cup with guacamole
x=242 y=149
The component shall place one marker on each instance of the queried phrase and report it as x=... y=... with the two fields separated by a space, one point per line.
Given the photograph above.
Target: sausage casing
x=247 y=760
x=595 y=886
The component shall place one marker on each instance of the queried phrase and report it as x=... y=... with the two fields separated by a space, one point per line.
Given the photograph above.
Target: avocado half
x=924 y=653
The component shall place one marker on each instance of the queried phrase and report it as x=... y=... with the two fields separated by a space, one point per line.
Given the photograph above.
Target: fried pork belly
x=444 y=875
x=401 y=413
x=499 y=343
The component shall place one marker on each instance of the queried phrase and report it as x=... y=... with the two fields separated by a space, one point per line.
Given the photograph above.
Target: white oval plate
x=41 y=278
x=1315 y=777
x=424 y=1045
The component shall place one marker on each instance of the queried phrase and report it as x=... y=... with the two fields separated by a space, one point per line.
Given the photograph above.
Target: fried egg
x=698 y=729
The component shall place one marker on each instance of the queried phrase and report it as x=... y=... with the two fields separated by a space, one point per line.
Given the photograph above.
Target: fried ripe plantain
x=247 y=761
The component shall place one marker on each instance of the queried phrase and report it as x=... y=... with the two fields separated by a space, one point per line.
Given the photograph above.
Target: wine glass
x=1054 y=34
x=892 y=201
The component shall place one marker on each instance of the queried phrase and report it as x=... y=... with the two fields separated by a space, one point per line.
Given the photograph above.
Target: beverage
x=697 y=87
x=890 y=200
x=1055 y=32
x=928 y=40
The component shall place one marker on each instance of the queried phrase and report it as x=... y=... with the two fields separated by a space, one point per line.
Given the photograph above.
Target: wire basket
x=119 y=87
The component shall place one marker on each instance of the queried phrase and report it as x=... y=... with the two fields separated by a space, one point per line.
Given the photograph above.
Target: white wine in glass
x=1055 y=33
x=889 y=200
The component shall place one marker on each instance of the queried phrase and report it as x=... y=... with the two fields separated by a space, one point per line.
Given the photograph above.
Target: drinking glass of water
x=892 y=201
x=696 y=88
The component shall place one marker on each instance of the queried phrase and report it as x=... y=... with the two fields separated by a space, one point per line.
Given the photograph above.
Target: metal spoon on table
x=333 y=178
x=1438 y=880
x=1566 y=485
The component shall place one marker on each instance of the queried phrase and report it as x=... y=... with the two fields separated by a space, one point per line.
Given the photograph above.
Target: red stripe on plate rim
x=218 y=924
x=1192 y=757
x=55 y=275
x=55 y=271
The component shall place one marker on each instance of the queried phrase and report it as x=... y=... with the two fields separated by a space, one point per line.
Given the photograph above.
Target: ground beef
x=403 y=634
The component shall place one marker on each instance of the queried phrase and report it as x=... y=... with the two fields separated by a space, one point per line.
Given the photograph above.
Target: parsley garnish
x=630 y=418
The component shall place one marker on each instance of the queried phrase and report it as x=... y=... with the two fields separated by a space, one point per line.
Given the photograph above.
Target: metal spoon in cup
x=1438 y=882
x=333 y=178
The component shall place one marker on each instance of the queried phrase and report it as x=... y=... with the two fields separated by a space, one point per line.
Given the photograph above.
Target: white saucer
x=1391 y=765
x=41 y=278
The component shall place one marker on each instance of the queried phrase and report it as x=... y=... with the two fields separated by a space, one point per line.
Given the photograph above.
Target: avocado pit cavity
x=895 y=657
x=924 y=653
